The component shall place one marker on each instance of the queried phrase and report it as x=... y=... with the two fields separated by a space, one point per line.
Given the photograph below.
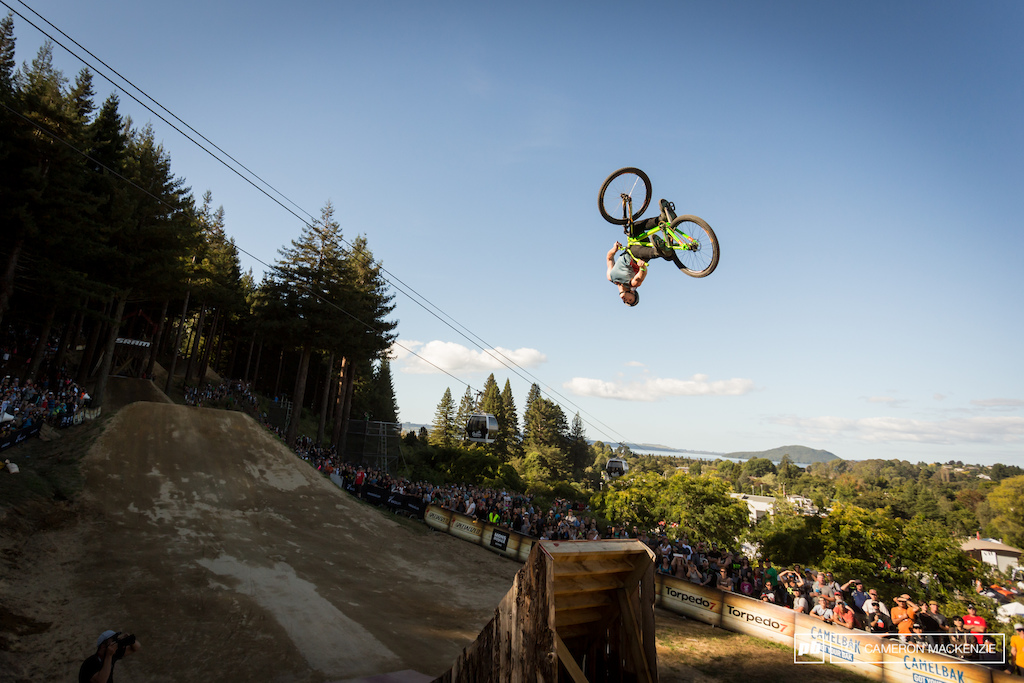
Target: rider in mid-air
x=628 y=270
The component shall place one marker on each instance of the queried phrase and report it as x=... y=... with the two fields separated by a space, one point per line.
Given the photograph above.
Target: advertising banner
x=758 y=619
x=905 y=664
x=19 y=436
x=374 y=494
x=438 y=518
x=466 y=528
x=682 y=597
x=815 y=642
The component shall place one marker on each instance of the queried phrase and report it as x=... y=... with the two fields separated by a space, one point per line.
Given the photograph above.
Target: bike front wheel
x=694 y=245
x=624 y=196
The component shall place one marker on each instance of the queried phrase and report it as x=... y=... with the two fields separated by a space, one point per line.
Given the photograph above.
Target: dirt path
x=235 y=561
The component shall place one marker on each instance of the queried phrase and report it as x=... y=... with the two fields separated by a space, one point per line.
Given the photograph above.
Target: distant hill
x=797 y=454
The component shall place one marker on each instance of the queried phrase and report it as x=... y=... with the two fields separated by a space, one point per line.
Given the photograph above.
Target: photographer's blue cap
x=104 y=636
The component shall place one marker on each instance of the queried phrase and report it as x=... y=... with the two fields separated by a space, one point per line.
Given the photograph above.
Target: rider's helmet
x=636 y=298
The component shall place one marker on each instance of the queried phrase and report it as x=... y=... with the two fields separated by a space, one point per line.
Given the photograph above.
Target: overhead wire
x=391 y=278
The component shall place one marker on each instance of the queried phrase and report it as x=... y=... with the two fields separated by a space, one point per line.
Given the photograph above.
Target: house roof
x=980 y=544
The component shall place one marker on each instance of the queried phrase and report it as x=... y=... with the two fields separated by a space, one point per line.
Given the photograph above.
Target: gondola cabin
x=482 y=428
x=616 y=467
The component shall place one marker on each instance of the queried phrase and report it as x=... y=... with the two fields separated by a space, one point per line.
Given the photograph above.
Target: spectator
x=724 y=582
x=903 y=614
x=975 y=624
x=1015 y=661
x=111 y=647
x=933 y=622
x=800 y=603
x=916 y=635
x=877 y=620
x=768 y=593
x=823 y=610
x=858 y=596
x=873 y=597
x=842 y=615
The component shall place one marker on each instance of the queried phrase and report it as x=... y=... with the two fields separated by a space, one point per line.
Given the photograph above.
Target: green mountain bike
x=624 y=197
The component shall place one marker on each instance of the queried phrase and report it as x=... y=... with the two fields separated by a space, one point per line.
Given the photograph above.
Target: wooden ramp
x=580 y=611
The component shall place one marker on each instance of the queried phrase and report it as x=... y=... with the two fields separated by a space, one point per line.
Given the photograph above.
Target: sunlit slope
x=248 y=562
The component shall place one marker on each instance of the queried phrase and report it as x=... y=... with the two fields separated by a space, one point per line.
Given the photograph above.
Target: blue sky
x=861 y=164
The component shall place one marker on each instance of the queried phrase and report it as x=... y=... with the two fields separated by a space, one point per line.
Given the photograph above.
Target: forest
x=109 y=263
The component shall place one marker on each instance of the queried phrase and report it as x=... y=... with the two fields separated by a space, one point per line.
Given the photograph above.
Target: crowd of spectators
x=25 y=404
x=228 y=394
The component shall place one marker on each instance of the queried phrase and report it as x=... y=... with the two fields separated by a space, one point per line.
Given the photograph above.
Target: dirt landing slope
x=234 y=561
x=124 y=390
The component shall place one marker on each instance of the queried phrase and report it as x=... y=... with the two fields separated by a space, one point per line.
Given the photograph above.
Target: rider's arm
x=610 y=258
x=639 y=277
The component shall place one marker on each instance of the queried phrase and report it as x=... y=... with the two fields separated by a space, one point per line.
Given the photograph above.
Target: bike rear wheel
x=694 y=246
x=631 y=183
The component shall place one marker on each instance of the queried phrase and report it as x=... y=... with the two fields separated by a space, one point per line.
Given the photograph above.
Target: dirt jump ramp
x=234 y=560
x=580 y=611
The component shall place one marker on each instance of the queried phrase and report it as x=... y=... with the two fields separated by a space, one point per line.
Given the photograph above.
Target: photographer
x=110 y=647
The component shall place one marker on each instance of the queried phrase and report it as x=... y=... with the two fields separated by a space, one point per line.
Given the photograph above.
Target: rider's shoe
x=668 y=211
x=663 y=249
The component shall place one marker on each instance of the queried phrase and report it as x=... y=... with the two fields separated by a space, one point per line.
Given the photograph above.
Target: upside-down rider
x=628 y=269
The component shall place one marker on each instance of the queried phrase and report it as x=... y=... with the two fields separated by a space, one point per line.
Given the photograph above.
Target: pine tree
x=492 y=404
x=444 y=428
x=466 y=408
x=547 y=424
x=579 y=451
x=305 y=281
x=514 y=437
x=385 y=405
x=531 y=398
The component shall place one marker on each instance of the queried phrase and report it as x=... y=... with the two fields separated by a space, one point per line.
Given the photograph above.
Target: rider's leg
x=640 y=227
x=645 y=251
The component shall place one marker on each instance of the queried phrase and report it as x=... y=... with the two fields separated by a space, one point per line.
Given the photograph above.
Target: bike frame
x=677 y=240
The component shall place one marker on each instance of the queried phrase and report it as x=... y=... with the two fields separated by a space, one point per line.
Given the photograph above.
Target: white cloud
x=887 y=429
x=635 y=364
x=654 y=389
x=439 y=356
x=998 y=403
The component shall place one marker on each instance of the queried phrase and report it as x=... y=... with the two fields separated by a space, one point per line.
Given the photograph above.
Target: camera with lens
x=123 y=641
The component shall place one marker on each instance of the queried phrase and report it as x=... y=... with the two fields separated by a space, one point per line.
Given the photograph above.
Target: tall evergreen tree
x=531 y=398
x=492 y=404
x=304 y=287
x=467 y=406
x=444 y=428
x=513 y=435
x=579 y=450
x=547 y=424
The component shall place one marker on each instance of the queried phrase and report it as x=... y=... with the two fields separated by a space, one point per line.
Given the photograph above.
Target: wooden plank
x=648 y=593
x=590 y=631
x=577 y=616
x=583 y=600
x=569 y=662
x=583 y=584
x=632 y=632
x=558 y=549
x=577 y=565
